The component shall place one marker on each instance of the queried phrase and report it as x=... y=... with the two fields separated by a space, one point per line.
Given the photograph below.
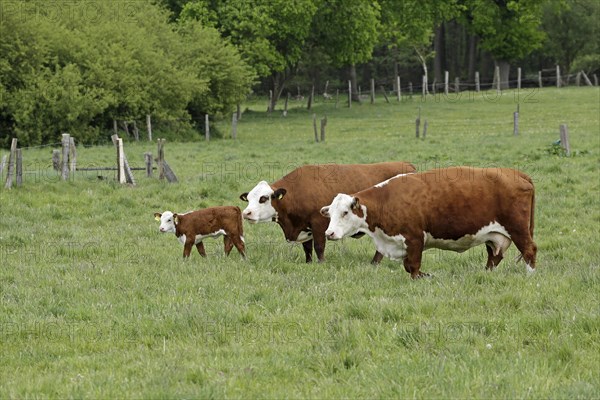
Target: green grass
x=95 y=303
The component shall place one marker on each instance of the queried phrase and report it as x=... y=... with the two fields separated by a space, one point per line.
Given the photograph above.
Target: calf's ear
x=355 y=203
x=175 y=219
x=279 y=193
x=244 y=196
x=157 y=216
x=325 y=212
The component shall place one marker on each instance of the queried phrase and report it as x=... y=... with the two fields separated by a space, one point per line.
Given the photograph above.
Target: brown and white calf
x=450 y=208
x=193 y=227
x=295 y=200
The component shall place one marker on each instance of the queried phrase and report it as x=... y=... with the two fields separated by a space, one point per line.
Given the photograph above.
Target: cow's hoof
x=421 y=275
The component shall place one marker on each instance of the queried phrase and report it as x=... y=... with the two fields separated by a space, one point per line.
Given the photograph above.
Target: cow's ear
x=157 y=216
x=325 y=212
x=355 y=203
x=278 y=194
x=244 y=196
x=175 y=219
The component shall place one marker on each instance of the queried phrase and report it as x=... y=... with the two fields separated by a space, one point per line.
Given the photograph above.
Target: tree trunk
x=439 y=47
x=472 y=57
x=279 y=79
x=504 y=73
x=352 y=72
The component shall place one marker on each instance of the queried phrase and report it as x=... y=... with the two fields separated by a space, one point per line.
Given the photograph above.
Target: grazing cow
x=193 y=227
x=450 y=208
x=294 y=201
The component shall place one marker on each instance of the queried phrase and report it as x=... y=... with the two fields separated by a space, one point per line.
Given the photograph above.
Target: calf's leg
x=377 y=258
x=200 y=248
x=228 y=244
x=239 y=245
x=493 y=260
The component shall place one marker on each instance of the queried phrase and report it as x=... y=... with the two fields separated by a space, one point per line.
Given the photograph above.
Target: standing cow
x=451 y=209
x=295 y=200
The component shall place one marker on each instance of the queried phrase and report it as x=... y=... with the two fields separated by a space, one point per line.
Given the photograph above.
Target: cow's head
x=168 y=220
x=259 y=200
x=347 y=216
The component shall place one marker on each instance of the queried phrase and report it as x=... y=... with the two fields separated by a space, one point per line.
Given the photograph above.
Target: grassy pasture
x=94 y=302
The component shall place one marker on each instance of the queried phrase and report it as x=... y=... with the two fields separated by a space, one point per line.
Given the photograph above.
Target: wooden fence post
x=149 y=126
x=516 y=122
x=349 y=94
x=372 y=90
x=456 y=85
x=315 y=128
x=56 y=160
x=206 y=128
x=595 y=80
x=399 y=90
x=11 y=164
x=161 y=158
x=558 y=76
x=234 y=126
x=497 y=75
x=310 y=98
x=540 y=79
x=519 y=78
x=65 y=156
x=410 y=90
x=2 y=164
x=120 y=161
x=269 y=107
x=418 y=123
x=477 y=85
x=19 y=157
x=128 y=175
x=136 y=132
x=148 y=161
x=72 y=155
x=446 y=77
x=323 y=125
x=384 y=94
x=337 y=97
x=586 y=79
x=564 y=139
x=285 y=107
x=578 y=79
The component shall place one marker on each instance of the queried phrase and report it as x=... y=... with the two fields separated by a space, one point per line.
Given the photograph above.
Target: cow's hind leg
x=228 y=244
x=239 y=244
x=308 y=249
x=527 y=247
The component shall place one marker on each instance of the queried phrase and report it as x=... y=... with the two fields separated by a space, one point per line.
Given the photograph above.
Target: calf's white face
x=259 y=207
x=167 y=221
x=347 y=216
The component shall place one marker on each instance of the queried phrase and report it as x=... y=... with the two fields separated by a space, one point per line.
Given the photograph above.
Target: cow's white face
x=167 y=221
x=259 y=207
x=347 y=215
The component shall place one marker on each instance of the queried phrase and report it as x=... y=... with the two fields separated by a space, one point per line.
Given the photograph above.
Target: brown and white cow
x=295 y=200
x=195 y=226
x=449 y=208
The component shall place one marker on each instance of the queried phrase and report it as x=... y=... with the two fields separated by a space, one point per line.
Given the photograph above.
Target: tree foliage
x=78 y=68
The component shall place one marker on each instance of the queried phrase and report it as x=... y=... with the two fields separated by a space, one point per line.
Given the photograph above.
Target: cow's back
x=312 y=186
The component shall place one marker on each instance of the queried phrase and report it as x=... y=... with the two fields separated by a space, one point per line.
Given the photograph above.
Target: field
x=96 y=303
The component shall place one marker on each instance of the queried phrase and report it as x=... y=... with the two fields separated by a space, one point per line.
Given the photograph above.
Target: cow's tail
x=531 y=215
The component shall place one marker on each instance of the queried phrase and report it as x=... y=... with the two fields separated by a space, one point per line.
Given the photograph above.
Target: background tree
x=508 y=29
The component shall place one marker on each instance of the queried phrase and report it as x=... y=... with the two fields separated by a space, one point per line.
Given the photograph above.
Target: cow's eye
x=263 y=199
x=344 y=213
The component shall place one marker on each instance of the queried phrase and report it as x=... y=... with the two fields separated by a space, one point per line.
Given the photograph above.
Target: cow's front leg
x=377 y=258
x=187 y=247
x=412 y=261
x=308 y=249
